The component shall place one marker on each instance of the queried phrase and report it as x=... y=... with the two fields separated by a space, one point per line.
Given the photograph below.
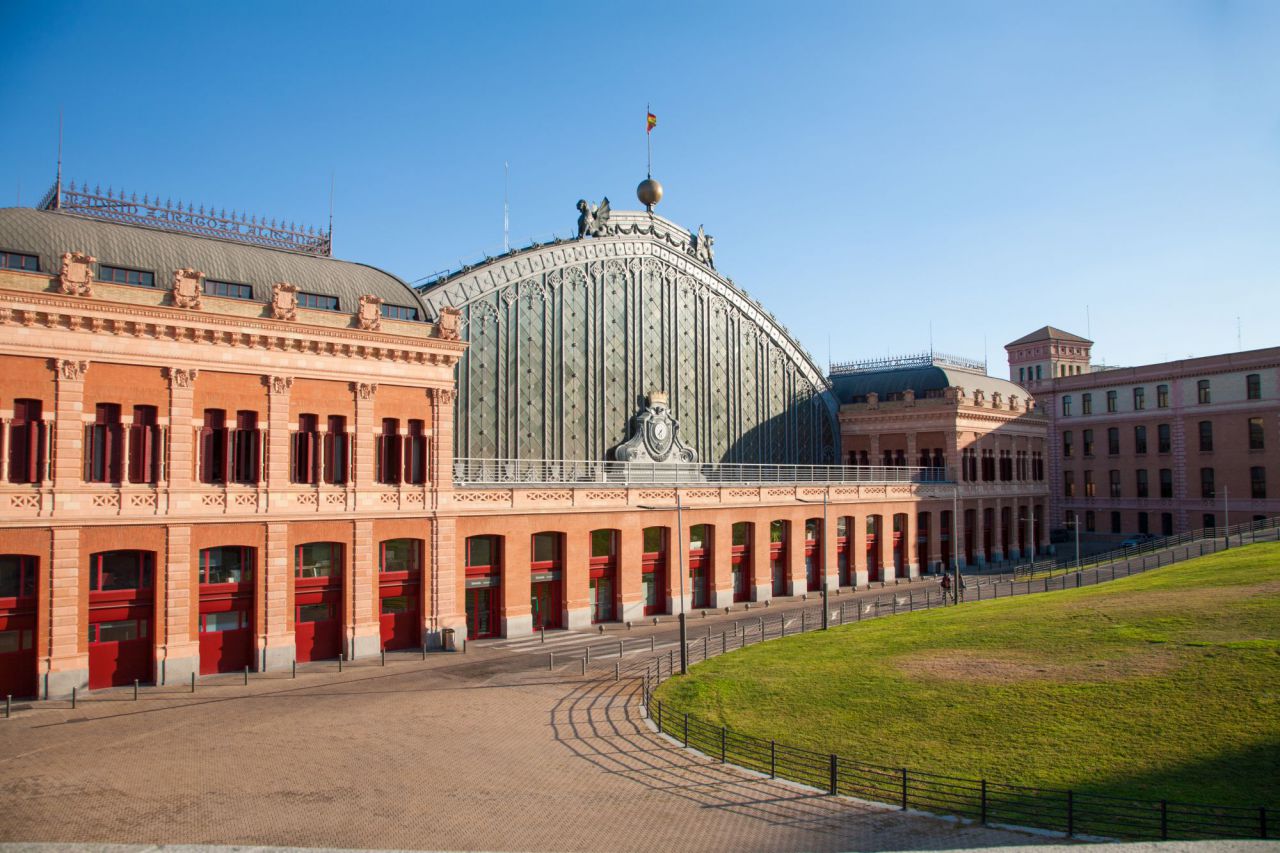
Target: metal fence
x=1253 y=531
x=1073 y=813
x=584 y=473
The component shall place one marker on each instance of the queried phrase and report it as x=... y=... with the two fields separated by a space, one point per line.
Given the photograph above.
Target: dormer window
x=227 y=289
x=18 y=261
x=122 y=275
x=400 y=312
x=317 y=301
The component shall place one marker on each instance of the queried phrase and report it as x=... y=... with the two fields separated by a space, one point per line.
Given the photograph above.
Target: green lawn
x=1160 y=686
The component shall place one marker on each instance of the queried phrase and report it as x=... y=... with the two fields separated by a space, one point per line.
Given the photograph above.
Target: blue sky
x=867 y=169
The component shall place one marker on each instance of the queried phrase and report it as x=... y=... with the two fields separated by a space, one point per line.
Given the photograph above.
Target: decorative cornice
x=64 y=313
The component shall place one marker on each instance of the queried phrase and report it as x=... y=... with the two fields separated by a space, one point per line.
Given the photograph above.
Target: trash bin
x=446 y=639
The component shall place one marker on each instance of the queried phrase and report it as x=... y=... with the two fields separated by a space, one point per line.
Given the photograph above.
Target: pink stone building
x=1160 y=448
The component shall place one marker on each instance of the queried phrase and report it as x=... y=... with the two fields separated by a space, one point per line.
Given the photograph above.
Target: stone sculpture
x=654 y=435
x=593 y=220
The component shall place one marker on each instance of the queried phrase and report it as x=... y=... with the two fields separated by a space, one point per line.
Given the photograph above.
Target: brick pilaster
x=179 y=654
x=276 y=597
x=365 y=627
x=66 y=659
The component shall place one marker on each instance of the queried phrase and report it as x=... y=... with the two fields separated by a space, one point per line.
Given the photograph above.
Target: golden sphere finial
x=649 y=192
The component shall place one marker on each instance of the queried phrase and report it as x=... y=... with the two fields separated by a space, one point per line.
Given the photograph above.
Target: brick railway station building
x=220 y=447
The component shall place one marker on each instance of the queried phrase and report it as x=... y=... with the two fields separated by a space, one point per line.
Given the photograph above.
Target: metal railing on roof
x=924 y=359
x=586 y=473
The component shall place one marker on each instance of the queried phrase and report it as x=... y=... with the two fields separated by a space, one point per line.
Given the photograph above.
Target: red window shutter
x=206 y=455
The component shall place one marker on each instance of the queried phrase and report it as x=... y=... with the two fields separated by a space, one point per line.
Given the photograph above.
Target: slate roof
x=1048 y=333
x=48 y=234
x=854 y=387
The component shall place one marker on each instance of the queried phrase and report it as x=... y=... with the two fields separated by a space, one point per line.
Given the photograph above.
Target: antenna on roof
x=331 y=180
x=506 y=207
x=57 y=197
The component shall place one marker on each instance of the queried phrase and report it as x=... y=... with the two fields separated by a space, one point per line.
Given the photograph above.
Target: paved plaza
x=482 y=751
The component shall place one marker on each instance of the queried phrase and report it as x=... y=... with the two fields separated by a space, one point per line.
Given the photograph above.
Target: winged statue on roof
x=592 y=220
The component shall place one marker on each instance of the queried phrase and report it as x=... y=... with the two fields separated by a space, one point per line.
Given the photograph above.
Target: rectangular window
x=1087 y=437
x=1206 y=483
x=16 y=261
x=1068 y=484
x=1086 y=404
x=246 y=443
x=230 y=621
x=1113 y=441
x=1066 y=406
x=317 y=301
x=1166 y=482
x=306 y=449
x=104 y=448
x=1256 y=434
x=1206 y=436
x=26 y=442
x=655 y=540
x=1088 y=484
x=1202 y=391
x=121 y=631
x=1142 y=484
x=1115 y=522
x=390 y=446
x=1139 y=399
x=415 y=454
x=395 y=604
x=1166 y=524
x=1164 y=439
x=603 y=543
x=1112 y=402
x=1090 y=521
x=315 y=612
x=482 y=552
x=399 y=312
x=319 y=560
x=1114 y=476
x=546 y=547
x=1209 y=520
x=229 y=289
x=1258 y=482
x=1066 y=444
x=17 y=576
x=120 y=275
x=121 y=570
x=401 y=555
x=1253 y=387
x=1144 y=525
x=1140 y=439
x=1022 y=374
x=336 y=449
x=1162 y=396
x=231 y=564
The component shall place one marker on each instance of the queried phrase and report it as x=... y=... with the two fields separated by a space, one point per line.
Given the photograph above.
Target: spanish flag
x=653 y=122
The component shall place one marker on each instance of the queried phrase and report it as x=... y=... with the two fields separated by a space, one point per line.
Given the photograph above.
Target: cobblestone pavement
x=459 y=752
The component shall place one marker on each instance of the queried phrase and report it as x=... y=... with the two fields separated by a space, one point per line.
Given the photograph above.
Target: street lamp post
x=826 y=616
x=684 y=640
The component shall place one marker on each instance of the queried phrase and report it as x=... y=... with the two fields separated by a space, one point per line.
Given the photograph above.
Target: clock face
x=660 y=431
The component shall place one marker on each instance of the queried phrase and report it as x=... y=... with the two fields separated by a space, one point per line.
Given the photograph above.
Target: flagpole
x=648 y=141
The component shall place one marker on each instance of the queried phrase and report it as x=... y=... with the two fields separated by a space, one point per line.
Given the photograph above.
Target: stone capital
x=364 y=390
x=182 y=377
x=278 y=384
x=71 y=369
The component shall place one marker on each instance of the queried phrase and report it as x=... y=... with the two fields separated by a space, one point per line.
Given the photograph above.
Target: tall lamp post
x=684 y=640
x=826 y=615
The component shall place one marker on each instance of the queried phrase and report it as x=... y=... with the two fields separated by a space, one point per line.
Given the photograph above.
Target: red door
x=603 y=574
x=226 y=610
x=121 y=611
x=317 y=599
x=544 y=600
x=741 y=573
x=842 y=561
x=400 y=618
x=699 y=578
x=778 y=567
x=899 y=554
x=653 y=582
x=18 y=625
x=812 y=565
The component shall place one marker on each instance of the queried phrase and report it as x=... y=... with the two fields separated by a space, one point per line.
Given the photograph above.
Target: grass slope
x=1160 y=686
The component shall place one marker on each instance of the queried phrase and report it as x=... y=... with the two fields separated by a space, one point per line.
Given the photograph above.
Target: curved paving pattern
x=457 y=753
